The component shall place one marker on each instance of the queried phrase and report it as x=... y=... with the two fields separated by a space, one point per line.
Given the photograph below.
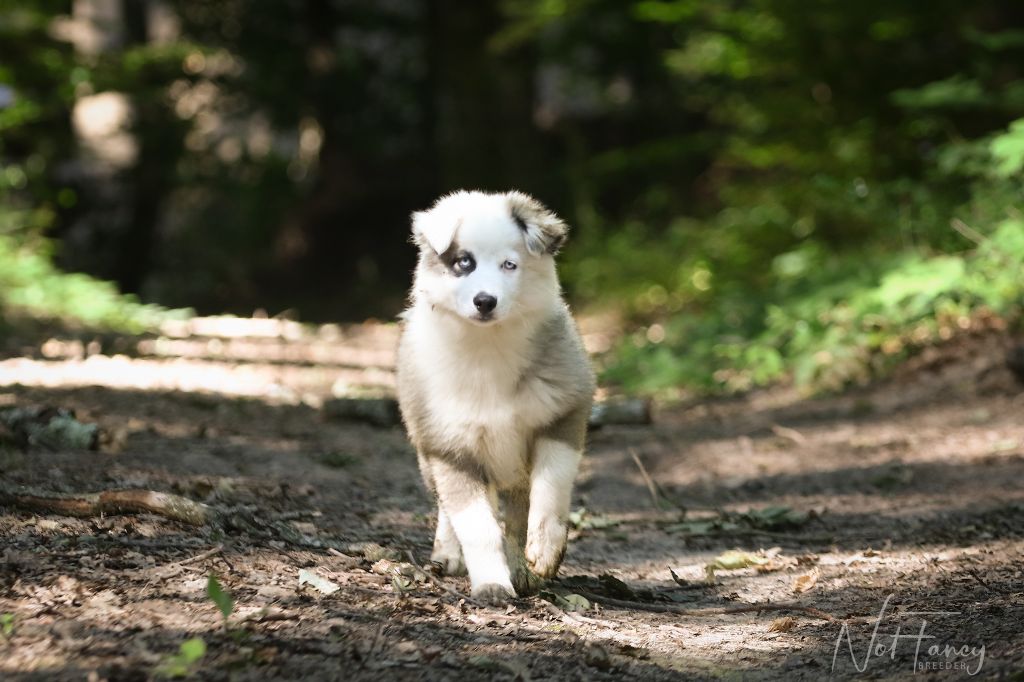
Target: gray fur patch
x=560 y=360
x=429 y=260
x=545 y=231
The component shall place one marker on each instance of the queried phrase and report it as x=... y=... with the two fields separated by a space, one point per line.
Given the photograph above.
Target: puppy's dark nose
x=485 y=303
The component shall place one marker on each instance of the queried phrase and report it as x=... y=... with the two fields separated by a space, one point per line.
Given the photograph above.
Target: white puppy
x=495 y=388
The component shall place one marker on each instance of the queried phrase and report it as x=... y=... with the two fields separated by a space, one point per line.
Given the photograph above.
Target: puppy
x=495 y=388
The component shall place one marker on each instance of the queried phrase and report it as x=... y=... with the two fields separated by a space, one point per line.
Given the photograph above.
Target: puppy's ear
x=545 y=232
x=434 y=228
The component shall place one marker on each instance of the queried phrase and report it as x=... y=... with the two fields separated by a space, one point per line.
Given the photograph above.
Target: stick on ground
x=701 y=613
x=168 y=505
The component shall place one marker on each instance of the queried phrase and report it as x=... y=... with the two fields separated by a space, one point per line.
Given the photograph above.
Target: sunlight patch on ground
x=279 y=384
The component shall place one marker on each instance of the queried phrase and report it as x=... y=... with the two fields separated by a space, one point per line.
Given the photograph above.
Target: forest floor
x=866 y=509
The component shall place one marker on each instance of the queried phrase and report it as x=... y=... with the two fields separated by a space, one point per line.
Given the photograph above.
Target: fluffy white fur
x=467 y=391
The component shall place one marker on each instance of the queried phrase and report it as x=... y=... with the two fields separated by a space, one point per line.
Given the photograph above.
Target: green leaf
x=225 y=604
x=957 y=92
x=182 y=663
x=7 y=625
x=775 y=518
x=733 y=560
x=192 y=650
x=566 y=602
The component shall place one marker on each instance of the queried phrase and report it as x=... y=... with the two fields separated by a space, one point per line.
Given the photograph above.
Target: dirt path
x=909 y=491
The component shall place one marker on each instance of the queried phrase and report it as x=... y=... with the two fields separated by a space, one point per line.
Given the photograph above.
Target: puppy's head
x=487 y=257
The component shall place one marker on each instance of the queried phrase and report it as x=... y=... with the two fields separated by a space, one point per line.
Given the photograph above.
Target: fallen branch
x=701 y=613
x=168 y=505
x=200 y=557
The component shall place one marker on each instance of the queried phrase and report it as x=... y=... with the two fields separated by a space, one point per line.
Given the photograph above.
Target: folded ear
x=544 y=231
x=434 y=228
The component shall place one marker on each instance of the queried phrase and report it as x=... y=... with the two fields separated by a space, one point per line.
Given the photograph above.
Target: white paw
x=493 y=593
x=545 y=547
x=448 y=562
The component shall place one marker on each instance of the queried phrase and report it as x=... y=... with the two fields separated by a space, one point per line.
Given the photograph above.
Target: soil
x=899 y=498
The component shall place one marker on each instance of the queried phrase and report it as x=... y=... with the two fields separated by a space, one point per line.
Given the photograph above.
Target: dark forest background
x=758 y=189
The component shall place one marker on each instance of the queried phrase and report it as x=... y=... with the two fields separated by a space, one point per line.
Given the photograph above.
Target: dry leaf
x=805 y=582
x=776 y=563
x=784 y=624
x=320 y=584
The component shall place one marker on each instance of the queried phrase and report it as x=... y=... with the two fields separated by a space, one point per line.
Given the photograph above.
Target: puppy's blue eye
x=509 y=265
x=465 y=262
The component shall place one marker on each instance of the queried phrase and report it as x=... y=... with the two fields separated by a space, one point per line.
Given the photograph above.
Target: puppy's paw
x=448 y=563
x=545 y=548
x=525 y=581
x=493 y=593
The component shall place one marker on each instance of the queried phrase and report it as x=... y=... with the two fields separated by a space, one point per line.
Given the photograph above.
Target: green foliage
x=1008 y=150
x=183 y=663
x=764 y=189
x=819 y=249
x=220 y=597
x=7 y=625
x=848 y=318
x=31 y=285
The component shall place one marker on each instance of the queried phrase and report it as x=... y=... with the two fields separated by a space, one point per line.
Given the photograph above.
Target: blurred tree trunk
x=483 y=100
x=335 y=183
x=129 y=159
x=154 y=170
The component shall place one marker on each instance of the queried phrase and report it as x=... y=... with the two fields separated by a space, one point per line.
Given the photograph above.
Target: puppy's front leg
x=466 y=499
x=517 y=505
x=447 y=554
x=554 y=469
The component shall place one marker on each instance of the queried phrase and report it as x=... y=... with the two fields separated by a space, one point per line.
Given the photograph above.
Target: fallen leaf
x=566 y=602
x=732 y=560
x=776 y=518
x=581 y=519
x=400 y=569
x=776 y=563
x=615 y=587
x=805 y=582
x=371 y=551
x=784 y=624
x=320 y=584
